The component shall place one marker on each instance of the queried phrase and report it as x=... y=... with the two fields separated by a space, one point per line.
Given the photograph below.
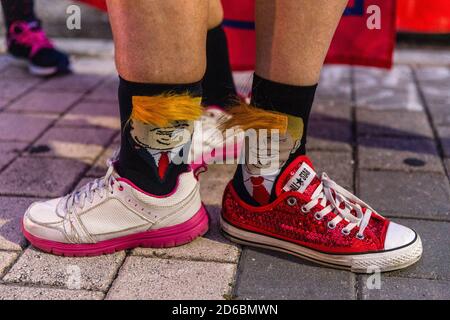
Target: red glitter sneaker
x=316 y=219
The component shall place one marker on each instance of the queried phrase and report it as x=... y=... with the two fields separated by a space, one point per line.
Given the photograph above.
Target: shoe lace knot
x=333 y=198
x=86 y=193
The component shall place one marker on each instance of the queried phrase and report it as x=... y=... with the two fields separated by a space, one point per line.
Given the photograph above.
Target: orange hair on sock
x=249 y=117
x=163 y=109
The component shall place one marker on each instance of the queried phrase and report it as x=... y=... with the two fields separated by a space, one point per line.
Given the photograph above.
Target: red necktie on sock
x=260 y=193
x=163 y=164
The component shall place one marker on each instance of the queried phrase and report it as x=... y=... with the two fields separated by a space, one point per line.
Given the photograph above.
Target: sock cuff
x=284 y=98
x=194 y=89
x=216 y=30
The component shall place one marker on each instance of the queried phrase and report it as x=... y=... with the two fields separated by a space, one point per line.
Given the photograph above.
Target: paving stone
x=436 y=256
x=3 y=103
x=72 y=82
x=214 y=181
x=93 y=114
x=201 y=249
x=6 y=259
x=402 y=194
x=399 y=154
x=12 y=89
x=152 y=278
x=13 y=209
x=90 y=273
x=23 y=127
x=107 y=91
x=272 y=275
x=99 y=168
x=40 y=177
x=333 y=135
x=440 y=114
x=338 y=165
x=16 y=72
x=435 y=85
x=76 y=143
x=436 y=96
x=331 y=110
x=9 y=150
x=5 y=61
x=335 y=85
x=410 y=124
x=12 y=292
x=38 y=101
x=386 y=89
x=447 y=165
x=407 y=289
x=444 y=137
x=421 y=56
x=94 y=65
x=211 y=247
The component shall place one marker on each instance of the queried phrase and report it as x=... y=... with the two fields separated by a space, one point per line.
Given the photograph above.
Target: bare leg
x=160 y=41
x=215 y=14
x=293 y=37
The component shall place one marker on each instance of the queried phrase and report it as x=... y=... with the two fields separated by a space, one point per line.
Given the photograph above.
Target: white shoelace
x=330 y=191
x=100 y=186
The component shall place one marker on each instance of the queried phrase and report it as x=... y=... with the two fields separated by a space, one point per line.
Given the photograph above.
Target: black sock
x=218 y=85
x=293 y=101
x=296 y=101
x=135 y=163
x=18 y=10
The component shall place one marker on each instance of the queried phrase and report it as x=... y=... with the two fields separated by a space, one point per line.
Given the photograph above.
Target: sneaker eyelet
x=291 y=201
x=318 y=216
x=360 y=236
x=345 y=232
x=120 y=188
x=304 y=210
x=331 y=225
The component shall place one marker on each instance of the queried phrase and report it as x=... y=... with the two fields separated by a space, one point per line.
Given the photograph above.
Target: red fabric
x=353 y=42
x=423 y=16
x=163 y=164
x=100 y=4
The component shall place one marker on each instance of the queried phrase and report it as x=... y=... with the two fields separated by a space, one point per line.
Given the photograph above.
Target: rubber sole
x=42 y=71
x=34 y=69
x=383 y=261
x=161 y=238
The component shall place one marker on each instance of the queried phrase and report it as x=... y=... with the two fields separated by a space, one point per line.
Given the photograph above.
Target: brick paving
x=383 y=134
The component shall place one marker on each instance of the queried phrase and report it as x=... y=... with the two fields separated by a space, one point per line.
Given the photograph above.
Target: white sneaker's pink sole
x=161 y=238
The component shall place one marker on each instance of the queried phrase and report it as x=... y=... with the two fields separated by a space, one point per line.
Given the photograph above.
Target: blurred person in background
x=27 y=41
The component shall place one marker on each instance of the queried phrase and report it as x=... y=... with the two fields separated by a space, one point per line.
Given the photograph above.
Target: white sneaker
x=111 y=214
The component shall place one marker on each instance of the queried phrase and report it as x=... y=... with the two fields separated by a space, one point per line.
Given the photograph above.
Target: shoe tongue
x=299 y=176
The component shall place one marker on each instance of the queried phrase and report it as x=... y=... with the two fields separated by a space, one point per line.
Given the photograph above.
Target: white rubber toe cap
x=398 y=236
x=44 y=212
x=41 y=221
